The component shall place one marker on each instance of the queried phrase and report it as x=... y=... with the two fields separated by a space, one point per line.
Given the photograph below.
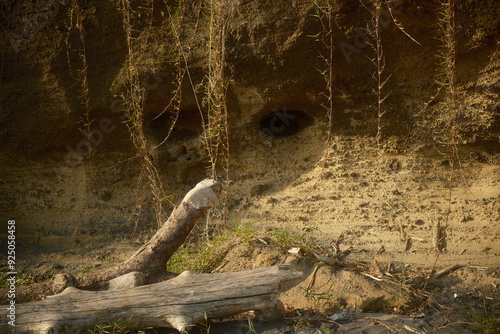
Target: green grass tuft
x=485 y=319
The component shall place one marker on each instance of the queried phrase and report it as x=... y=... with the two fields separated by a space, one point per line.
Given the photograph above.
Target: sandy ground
x=382 y=207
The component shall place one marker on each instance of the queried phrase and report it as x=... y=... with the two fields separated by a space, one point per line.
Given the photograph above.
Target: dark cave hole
x=284 y=123
x=187 y=125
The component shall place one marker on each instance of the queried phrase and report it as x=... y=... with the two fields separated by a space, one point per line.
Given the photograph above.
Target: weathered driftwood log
x=152 y=257
x=179 y=303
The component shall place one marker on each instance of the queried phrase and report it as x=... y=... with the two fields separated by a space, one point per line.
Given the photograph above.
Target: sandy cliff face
x=281 y=172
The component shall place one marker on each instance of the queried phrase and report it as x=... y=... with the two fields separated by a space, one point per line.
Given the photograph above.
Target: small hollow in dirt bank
x=283 y=123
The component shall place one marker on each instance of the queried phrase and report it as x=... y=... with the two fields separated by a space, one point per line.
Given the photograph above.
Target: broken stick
x=446 y=270
x=152 y=257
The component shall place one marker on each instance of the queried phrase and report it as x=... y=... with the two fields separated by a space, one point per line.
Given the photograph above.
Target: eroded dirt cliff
x=75 y=183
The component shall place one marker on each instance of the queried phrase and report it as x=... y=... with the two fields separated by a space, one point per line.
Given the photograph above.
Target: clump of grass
x=205 y=255
x=23 y=279
x=86 y=270
x=245 y=232
x=120 y=327
x=485 y=319
x=286 y=237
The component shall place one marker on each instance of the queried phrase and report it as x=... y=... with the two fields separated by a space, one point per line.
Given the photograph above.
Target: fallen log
x=179 y=303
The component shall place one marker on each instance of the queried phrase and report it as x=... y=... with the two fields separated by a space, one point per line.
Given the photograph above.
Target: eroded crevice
x=282 y=123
